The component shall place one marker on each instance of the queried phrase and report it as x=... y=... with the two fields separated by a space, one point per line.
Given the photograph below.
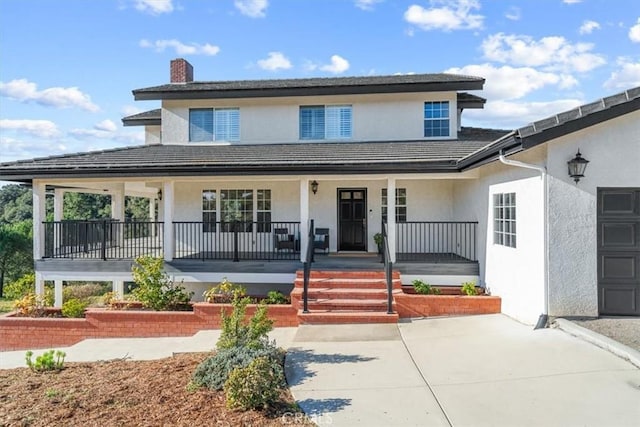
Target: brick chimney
x=181 y=71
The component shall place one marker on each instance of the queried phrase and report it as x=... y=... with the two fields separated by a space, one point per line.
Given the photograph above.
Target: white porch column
x=117 y=286
x=167 y=203
x=304 y=218
x=58 y=214
x=117 y=212
x=57 y=293
x=39 y=215
x=117 y=203
x=39 y=284
x=391 y=217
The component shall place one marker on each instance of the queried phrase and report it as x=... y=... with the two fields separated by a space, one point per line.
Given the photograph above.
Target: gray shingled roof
x=151 y=117
x=330 y=157
x=311 y=86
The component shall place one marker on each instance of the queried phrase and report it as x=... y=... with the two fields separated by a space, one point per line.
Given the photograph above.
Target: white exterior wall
x=514 y=274
x=152 y=135
x=613 y=149
x=376 y=117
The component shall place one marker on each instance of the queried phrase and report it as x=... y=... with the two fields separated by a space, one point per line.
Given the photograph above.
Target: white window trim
x=508 y=239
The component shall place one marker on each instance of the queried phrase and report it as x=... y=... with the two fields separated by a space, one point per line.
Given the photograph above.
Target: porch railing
x=308 y=260
x=235 y=241
x=102 y=239
x=436 y=241
x=388 y=268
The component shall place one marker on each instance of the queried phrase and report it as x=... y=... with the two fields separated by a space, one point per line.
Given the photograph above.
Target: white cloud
x=505 y=82
x=16 y=149
x=513 y=14
x=23 y=90
x=39 y=128
x=338 y=65
x=274 y=62
x=571 y=1
x=154 y=7
x=252 y=8
x=588 y=26
x=627 y=75
x=106 y=125
x=181 y=48
x=130 y=110
x=367 y=5
x=445 y=15
x=553 y=52
x=510 y=114
x=634 y=32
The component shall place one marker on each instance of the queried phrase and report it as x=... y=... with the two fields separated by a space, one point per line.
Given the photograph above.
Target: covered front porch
x=205 y=227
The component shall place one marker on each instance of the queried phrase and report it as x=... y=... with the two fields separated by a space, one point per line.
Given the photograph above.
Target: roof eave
x=160 y=94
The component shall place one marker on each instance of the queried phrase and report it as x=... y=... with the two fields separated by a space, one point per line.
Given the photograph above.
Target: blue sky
x=67 y=68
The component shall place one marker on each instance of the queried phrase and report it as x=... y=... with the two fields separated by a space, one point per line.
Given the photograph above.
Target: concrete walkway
x=464 y=371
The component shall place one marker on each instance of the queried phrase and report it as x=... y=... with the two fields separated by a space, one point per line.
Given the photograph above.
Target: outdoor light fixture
x=314 y=186
x=577 y=165
x=160 y=194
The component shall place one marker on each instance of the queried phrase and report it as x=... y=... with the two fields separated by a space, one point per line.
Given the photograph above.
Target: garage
x=619 y=251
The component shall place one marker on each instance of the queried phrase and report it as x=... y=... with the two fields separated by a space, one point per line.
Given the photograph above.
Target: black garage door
x=619 y=251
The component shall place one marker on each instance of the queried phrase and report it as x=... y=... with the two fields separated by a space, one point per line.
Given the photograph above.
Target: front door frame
x=365 y=222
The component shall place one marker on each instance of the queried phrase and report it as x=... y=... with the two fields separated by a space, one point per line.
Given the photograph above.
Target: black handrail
x=388 y=268
x=436 y=241
x=307 y=268
x=238 y=240
x=102 y=239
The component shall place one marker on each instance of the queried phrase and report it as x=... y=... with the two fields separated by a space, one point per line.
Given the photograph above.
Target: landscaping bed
x=444 y=301
x=119 y=392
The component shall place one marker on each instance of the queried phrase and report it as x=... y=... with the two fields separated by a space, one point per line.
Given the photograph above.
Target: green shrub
x=74 y=308
x=424 y=288
x=32 y=305
x=214 y=371
x=276 y=297
x=224 y=292
x=237 y=332
x=21 y=287
x=52 y=360
x=469 y=288
x=155 y=289
x=256 y=386
x=82 y=291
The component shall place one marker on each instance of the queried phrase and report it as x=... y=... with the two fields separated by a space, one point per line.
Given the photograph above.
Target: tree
x=15 y=203
x=16 y=256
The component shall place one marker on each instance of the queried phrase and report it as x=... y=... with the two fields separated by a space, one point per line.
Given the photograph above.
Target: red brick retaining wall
x=415 y=305
x=22 y=333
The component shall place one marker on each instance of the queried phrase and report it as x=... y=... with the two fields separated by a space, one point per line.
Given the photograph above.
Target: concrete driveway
x=464 y=371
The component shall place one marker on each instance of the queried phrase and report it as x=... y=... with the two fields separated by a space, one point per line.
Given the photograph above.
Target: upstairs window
x=436 y=119
x=325 y=122
x=214 y=124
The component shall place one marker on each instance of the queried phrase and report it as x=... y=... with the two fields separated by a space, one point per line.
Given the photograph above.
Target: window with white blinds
x=325 y=122
x=214 y=124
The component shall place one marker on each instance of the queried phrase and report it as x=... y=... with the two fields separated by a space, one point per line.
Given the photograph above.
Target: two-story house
x=249 y=175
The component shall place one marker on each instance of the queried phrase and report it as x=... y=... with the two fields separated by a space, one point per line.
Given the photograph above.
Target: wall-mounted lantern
x=314 y=186
x=576 y=166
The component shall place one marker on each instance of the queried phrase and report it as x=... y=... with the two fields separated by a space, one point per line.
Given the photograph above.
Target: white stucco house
x=242 y=171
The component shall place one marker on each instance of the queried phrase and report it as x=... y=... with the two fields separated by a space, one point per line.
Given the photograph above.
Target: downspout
x=544 y=317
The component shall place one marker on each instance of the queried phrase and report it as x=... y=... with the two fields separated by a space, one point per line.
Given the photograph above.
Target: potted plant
x=379 y=239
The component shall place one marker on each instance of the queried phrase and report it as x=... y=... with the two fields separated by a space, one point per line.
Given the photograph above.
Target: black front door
x=352 y=220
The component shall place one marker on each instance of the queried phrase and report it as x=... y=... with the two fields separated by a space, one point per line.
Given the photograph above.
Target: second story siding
x=374 y=117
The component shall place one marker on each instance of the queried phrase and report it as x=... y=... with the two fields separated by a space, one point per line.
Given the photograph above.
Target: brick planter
x=415 y=305
x=22 y=333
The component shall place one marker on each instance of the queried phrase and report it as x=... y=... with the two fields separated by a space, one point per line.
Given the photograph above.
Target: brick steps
x=325 y=317
x=338 y=297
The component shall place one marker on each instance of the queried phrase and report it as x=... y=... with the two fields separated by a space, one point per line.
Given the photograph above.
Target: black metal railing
x=308 y=260
x=388 y=268
x=235 y=241
x=102 y=239
x=436 y=241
